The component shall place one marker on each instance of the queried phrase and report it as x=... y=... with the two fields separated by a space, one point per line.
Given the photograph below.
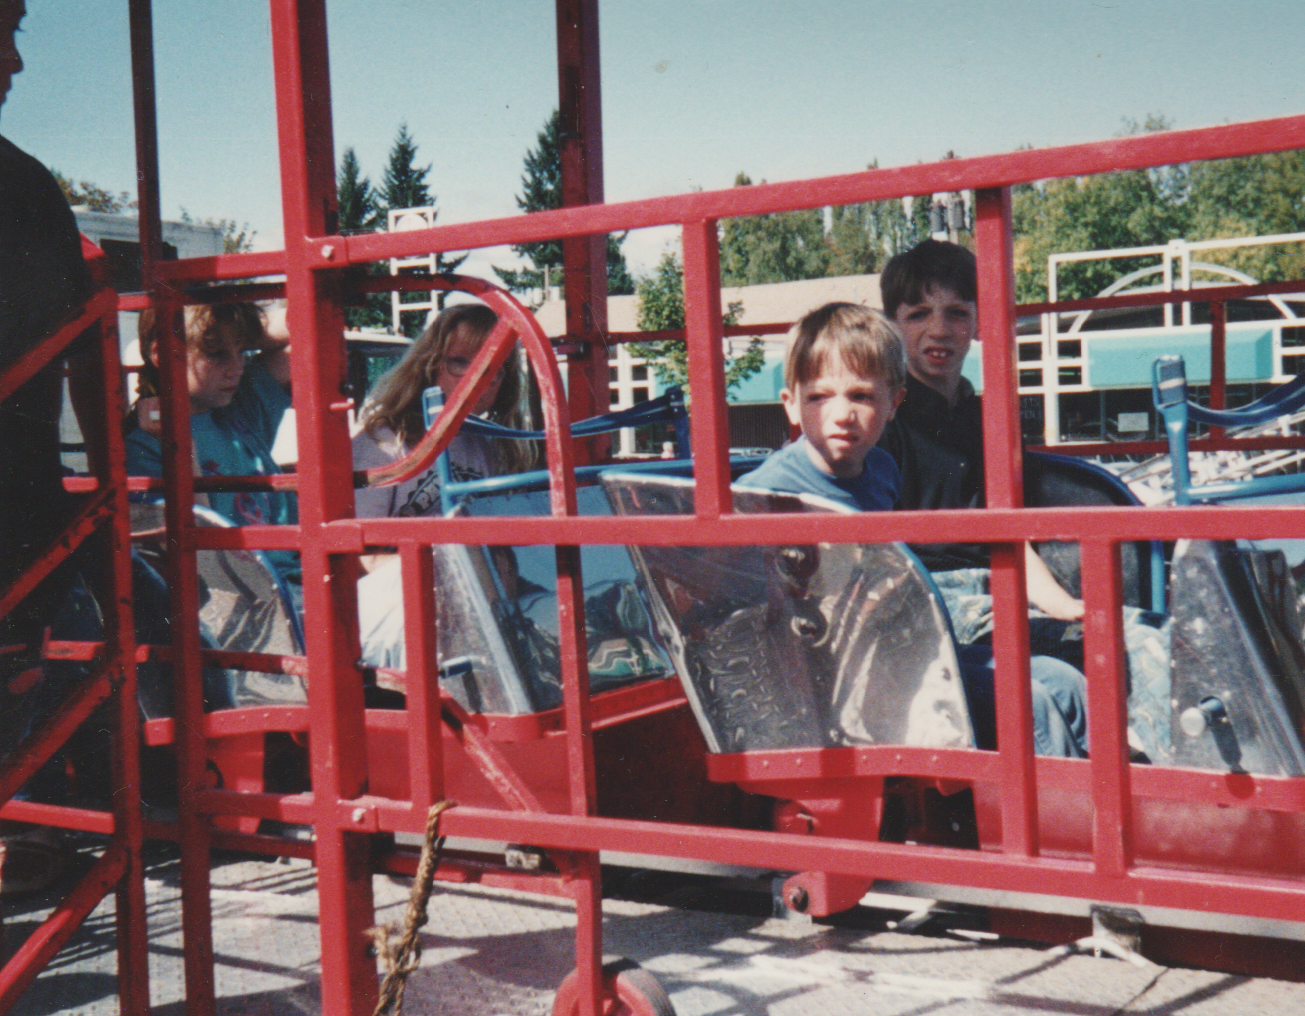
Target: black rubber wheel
x=628 y=990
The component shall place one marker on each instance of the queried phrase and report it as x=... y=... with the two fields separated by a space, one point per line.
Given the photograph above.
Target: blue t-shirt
x=791 y=470
x=236 y=441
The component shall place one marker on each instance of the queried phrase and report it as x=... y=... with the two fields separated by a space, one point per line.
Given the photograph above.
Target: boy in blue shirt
x=844 y=377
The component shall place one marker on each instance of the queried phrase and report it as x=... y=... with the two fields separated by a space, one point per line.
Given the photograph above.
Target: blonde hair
x=199 y=324
x=867 y=341
x=396 y=401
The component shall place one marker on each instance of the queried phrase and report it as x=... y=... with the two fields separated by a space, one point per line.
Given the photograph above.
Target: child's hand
x=148 y=416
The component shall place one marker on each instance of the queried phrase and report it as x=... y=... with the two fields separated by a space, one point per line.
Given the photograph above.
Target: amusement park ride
x=738 y=734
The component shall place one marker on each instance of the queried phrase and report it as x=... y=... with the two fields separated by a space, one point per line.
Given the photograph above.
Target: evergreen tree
x=356 y=196
x=404 y=184
x=360 y=213
x=661 y=308
x=541 y=190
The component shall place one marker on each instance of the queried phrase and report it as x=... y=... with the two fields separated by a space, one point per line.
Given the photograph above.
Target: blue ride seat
x=1062 y=481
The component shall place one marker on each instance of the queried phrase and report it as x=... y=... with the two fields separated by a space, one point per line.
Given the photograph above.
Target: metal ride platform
x=713 y=946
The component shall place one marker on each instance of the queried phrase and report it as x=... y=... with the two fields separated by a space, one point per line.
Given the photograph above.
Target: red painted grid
x=102 y=523
x=330 y=539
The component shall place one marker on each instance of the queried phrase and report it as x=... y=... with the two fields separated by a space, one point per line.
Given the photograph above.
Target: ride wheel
x=628 y=990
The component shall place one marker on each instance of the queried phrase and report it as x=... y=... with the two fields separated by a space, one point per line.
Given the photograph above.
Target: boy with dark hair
x=937 y=437
x=844 y=376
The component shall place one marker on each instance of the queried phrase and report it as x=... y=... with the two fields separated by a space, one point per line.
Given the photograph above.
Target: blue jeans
x=1059 y=706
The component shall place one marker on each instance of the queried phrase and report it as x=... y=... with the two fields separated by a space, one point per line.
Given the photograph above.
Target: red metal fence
x=347 y=818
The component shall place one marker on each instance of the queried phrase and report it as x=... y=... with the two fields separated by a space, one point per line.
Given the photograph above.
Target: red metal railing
x=102 y=516
x=343 y=812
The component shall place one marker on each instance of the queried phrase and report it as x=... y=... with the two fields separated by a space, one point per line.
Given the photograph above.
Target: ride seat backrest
x=1060 y=481
x=799 y=646
x=497 y=606
x=1237 y=660
x=244 y=607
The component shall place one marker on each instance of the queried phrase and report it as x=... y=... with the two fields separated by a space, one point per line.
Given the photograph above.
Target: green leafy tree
x=1259 y=195
x=1132 y=208
x=541 y=190
x=236 y=237
x=661 y=308
x=862 y=237
x=780 y=247
x=96 y=198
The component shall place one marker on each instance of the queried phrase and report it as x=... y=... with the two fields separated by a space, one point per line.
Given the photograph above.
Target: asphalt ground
x=713 y=945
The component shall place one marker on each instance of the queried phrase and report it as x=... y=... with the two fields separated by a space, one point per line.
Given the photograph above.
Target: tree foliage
x=779 y=247
x=541 y=190
x=404 y=183
x=1259 y=195
x=661 y=308
x=236 y=237
x=1252 y=196
x=93 y=197
x=359 y=211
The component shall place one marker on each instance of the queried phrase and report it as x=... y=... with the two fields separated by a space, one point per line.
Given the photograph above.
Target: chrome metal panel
x=799 y=646
x=1237 y=661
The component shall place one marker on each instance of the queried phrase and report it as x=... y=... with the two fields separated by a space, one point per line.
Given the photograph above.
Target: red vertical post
x=425 y=748
x=338 y=761
x=1003 y=471
x=1218 y=360
x=584 y=258
x=1103 y=636
x=584 y=268
x=183 y=603
x=133 y=942
x=704 y=336
x=147 y=137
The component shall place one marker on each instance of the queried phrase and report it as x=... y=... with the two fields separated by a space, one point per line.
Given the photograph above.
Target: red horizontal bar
x=1281 y=899
x=990 y=171
x=85 y=819
x=222 y=266
x=1259 y=443
x=1203 y=295
x=97 y=510
x=51 y=348
x=991 y=525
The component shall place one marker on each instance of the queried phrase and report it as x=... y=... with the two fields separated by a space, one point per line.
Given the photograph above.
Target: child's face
x=213 y=371
x=842 y=415
x=461 y=350
x=938 y=331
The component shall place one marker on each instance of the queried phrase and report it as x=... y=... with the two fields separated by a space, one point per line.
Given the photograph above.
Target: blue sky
x=693 y=90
